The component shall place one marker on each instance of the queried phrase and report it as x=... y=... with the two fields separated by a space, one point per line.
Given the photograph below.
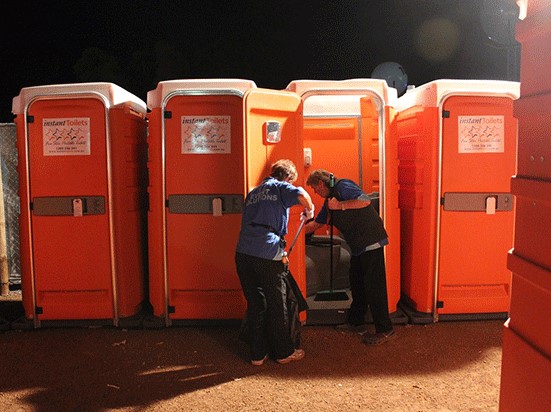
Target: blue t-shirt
x=265 y=217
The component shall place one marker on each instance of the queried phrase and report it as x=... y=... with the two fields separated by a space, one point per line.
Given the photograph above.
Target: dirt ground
x=445 y=366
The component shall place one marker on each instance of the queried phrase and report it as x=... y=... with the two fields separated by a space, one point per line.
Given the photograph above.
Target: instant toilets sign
x=66 y=136
x=206 y=134
x=481 y=134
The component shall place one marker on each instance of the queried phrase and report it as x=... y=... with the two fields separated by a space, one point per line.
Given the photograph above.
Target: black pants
x=368 y=287
x=264 y=287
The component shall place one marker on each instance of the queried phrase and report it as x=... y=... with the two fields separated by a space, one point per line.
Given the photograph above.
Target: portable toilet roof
x=197 y=86
x=434 y=93
x=341 y=97
x=110 y=93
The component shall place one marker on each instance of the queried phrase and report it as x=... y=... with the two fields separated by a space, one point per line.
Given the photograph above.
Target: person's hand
x=285 y=259
x=307 y=215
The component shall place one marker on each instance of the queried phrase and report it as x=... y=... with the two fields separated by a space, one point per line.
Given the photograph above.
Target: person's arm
x=359 y=203
x=306 y=201
x=312 y=226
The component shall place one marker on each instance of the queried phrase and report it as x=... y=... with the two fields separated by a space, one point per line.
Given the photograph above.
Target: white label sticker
x=206 y=134
x=481 y=134
x=66 y=136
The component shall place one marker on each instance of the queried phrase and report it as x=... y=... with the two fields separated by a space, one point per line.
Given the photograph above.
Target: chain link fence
x=10 y=185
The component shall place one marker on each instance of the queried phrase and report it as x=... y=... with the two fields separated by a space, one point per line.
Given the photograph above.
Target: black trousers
x=265 y=289
x=368 y=286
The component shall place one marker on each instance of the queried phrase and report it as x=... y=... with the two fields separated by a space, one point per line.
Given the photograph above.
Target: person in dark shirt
x=357 y=220
x=261 y=262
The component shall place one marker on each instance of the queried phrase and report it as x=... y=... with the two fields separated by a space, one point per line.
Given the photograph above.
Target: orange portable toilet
x=210 y=142
x=457 y=146
x=82 y=163
x=347 y=130
x=526 y=360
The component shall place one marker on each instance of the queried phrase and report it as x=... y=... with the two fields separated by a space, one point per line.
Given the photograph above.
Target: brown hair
x=318 y=175
x=284 y=169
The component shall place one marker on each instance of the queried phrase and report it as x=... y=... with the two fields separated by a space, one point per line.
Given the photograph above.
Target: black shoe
x=349 y=327
x=378 y=338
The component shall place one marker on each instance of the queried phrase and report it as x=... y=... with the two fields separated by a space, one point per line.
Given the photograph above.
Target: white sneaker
x=259 y=362
x=298 y=354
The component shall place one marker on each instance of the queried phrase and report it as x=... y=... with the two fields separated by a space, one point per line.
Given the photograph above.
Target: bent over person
x=351 y=212
x=261 y=258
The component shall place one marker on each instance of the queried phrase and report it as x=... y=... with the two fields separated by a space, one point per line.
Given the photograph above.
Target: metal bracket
x=477 y=202
x=205 y=204
x=65 y=205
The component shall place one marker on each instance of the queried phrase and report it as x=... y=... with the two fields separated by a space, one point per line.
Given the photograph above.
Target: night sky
x=136 y=44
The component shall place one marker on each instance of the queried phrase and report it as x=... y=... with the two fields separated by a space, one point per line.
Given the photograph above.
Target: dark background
x=136 y=44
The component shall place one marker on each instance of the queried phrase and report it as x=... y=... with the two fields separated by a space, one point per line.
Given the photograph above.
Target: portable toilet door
x=82 y=152
x=273 y=131
x=347 y=131
x=202 y=162
x=457 y=145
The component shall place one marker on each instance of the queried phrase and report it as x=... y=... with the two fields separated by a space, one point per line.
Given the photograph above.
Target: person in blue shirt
x=362 y=228
x=261 y=262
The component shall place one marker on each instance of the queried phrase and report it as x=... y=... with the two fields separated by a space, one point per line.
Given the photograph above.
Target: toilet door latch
x=78 y=207
x=217 y=206
x=491 y=203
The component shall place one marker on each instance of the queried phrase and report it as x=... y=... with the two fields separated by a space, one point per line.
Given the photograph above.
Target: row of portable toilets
x=124 y=202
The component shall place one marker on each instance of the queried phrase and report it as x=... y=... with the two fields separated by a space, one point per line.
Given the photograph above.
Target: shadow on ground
x=93 y=369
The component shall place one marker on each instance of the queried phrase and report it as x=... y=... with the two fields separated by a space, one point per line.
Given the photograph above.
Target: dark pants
x=368 y=287
x=264 y=287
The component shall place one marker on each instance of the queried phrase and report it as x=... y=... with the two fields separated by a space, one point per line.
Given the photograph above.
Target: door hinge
x=30 y=119
x=445 y=114
x=38 y=310
x=167 y=114
x=171 y=309
x=440 y=304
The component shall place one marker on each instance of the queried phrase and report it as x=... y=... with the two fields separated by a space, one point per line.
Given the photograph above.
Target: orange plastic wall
x=534 y=151
x=531 y=302
x=417 y=135
x=335 y=144
x=264 y=105
x=392 y=213
x=526 y=355
x=70 y=256
x=200 y=248
x=472 y=273
x=129 y=183
x=533 y=220
x=155 y=223
x=335 y=147
x=525 y=372
x=534 y=33
x=201 y=278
